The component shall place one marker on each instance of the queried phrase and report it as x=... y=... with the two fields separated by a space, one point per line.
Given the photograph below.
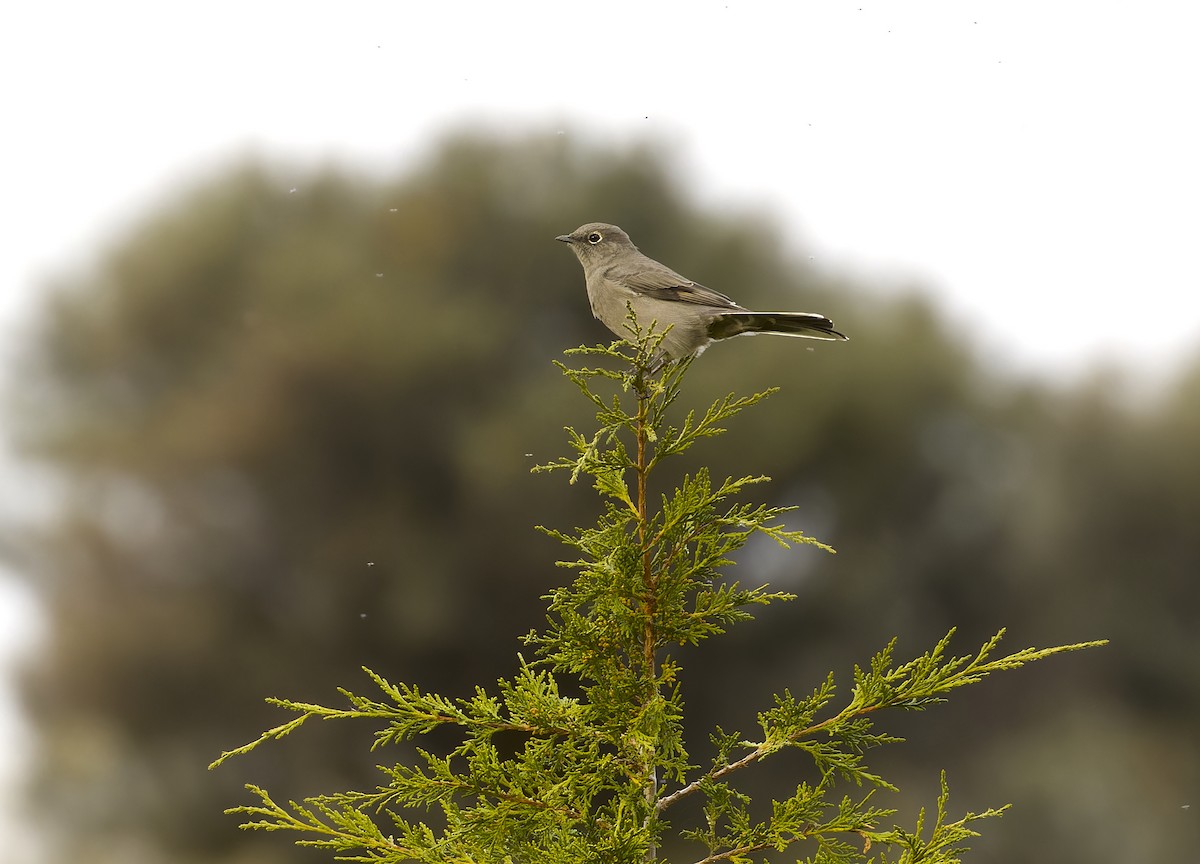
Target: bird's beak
x=565 y=238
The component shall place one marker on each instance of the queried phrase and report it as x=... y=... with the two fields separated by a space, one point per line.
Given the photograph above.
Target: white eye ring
x=594 y=238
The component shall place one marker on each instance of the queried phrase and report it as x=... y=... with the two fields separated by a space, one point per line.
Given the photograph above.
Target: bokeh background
x=280 y=300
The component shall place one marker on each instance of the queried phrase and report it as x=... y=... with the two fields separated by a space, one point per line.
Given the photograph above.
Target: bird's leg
x=660 y=360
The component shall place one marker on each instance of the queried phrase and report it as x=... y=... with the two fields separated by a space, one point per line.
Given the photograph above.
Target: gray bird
x=618 y=274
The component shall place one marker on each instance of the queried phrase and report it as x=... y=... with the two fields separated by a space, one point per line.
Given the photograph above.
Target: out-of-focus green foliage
x=292 y=414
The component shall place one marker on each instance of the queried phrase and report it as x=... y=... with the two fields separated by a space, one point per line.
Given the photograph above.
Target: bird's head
x=596 y=242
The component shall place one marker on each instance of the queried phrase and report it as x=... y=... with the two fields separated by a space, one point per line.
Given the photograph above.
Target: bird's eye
x=594 y=238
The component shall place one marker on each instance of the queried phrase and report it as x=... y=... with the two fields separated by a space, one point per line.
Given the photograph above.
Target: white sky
x=1034 y=164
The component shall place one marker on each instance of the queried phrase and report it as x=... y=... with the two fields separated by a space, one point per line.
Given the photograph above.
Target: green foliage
x=597 y=777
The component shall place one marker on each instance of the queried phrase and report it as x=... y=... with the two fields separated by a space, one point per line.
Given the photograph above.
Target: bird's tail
x=809 y=325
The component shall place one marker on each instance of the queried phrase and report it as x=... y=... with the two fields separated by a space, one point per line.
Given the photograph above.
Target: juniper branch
x=913 y=686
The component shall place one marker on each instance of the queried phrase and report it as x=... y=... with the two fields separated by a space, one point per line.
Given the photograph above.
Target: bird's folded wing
x=666 y=284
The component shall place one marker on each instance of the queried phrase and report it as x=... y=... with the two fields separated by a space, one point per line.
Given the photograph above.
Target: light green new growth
x=596 y=777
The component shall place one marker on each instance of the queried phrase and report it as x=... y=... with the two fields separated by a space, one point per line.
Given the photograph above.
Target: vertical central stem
x=649 y=588
x=648 y=580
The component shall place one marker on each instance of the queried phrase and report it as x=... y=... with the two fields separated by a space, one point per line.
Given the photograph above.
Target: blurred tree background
x=291 y=416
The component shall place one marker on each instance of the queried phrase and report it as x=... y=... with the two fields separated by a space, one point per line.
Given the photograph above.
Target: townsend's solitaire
x=617 y=274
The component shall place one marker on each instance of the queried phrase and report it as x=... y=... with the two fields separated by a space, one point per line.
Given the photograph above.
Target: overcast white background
x=1032 y=164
